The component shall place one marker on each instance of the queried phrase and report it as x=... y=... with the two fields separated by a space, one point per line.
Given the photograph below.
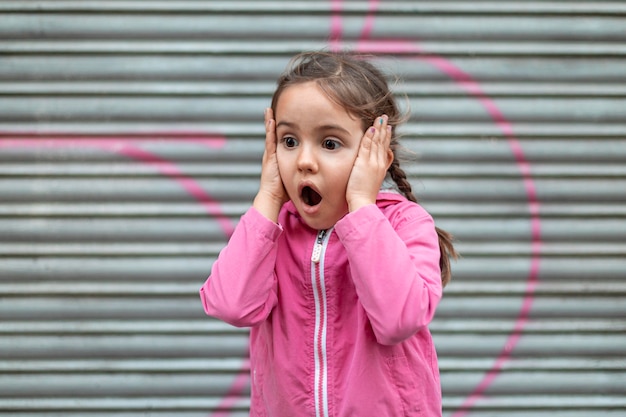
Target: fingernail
x=388 y=128
x=381 y=120
x=372 y=129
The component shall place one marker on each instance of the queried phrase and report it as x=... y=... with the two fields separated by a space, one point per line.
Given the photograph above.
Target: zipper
x=321 y=324
x=317 y=249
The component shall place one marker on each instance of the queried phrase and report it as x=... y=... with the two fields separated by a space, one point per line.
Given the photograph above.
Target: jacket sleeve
x=395 y=269
x=242 y=287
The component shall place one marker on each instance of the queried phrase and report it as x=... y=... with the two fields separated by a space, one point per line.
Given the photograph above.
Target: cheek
x=341 y=175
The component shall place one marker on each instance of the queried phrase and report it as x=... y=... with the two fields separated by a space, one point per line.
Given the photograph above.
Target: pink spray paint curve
x=234 y=393
x=124 y=147
x=473 y=88
x=336 y=26
x=128 y=148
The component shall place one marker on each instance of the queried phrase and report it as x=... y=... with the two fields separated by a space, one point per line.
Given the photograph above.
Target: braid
x=446 y=248
x=446 y=240
x=399 y=177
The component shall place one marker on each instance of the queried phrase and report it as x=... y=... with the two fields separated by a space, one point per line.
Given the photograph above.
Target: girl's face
x=318 y=142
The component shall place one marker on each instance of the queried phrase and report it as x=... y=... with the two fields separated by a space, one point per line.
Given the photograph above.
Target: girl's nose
x=307 y=161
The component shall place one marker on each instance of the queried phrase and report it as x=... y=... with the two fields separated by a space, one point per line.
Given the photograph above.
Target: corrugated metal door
x=130 y=143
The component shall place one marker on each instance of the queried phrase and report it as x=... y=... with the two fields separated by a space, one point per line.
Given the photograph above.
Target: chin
x=318 y=223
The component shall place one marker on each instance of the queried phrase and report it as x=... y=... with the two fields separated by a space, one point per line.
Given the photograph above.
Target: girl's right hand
x=272 y=194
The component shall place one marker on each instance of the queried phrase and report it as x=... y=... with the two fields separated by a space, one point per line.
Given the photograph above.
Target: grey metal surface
x=130 y=143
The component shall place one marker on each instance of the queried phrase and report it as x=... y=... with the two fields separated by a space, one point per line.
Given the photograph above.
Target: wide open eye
x=330 y=144
x=289 y=141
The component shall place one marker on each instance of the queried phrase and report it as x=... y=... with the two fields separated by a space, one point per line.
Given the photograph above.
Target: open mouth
x=310 y=196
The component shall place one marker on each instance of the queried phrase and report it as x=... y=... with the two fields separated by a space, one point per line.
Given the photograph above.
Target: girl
x=335 y=267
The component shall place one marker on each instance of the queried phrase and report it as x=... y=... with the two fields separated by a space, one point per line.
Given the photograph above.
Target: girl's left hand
x=371 y=164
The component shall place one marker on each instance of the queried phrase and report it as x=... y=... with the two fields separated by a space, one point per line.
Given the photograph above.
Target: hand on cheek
x=370 y=166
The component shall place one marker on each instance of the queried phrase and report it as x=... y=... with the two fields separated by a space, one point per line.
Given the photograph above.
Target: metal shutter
x=130 y=143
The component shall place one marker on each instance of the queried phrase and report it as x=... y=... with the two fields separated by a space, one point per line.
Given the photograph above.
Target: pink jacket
x=339 y=320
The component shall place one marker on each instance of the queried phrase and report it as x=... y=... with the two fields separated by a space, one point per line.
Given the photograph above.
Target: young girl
x=335 y=267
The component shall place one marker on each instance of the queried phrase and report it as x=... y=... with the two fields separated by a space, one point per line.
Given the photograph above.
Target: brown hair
x=362 y=89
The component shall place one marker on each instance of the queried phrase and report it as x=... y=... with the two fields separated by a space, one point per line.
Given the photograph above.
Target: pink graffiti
x=472 y=88
x=234 y=393
x=128 y=147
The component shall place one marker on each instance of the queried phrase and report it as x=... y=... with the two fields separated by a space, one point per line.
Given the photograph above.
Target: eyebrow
x=318 y=128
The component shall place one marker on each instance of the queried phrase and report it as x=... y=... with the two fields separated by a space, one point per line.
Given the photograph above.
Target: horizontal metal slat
x=566 y=382
x=532 y=346
x=41 y=152
x=237 y=365
x=532 y=405
x=173 y=365
x=50 y=289
x=464 y=7
x=201 y=325
x=452 y=110
x=122 y=346
x=103 y=307
x=207 y=326
x=136 y=169
x=479 y=129
x=124 y=231
x=530 y=364
x=123 y=404
x=112 y=231
x=213 y=384
x=414 y=88
x=141 y=248
x=59 y=287
x=131 y=306
x=582 y=48
x=271 y=25
x=123 y=189
x=240 y=189
x=415 y=171
x=110 y=269
x=441 y=211
x=554 y=326
x=547 y=411
x=113 y=249
x=540 y=306
x=588 y=269
x=146 y=346
x=126 y=384
x=232 y=69
x=119 y=209
x=79 y=410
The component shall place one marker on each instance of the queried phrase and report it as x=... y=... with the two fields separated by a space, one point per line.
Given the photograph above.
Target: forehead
x=308 y=101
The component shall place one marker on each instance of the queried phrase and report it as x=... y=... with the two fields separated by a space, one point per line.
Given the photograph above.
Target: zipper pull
x=317 y=249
